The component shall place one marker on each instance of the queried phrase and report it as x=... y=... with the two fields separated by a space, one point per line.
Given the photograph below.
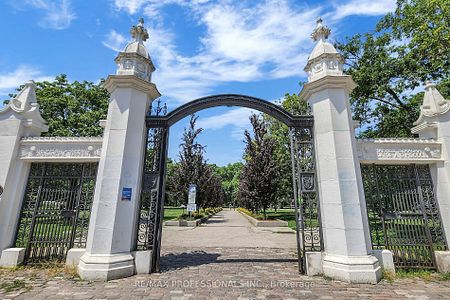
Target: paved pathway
x=218 y=273
x=228 y=229
x=219 y=266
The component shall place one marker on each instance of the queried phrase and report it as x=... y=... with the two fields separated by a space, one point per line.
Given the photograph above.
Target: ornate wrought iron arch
x=261 y=105
x=307 y=216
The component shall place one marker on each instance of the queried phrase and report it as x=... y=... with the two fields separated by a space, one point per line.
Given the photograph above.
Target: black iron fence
x=403 y=213
x=56 y=210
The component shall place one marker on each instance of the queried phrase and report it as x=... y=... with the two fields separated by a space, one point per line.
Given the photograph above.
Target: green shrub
x=194 y=215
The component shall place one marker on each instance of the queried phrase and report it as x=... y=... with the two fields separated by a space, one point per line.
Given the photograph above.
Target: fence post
x=112 y=227
x=434 y=122
x=348 y=251
x=19 y=118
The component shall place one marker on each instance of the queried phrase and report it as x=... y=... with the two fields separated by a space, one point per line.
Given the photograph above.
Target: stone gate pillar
x=112 y=228
x=434 y=122
x=19 y=118
x=348 y=251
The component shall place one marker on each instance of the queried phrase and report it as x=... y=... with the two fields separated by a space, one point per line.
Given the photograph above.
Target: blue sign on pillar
x=126 y=194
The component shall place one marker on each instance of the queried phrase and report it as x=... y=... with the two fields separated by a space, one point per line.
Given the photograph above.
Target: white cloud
x=131 y=6
x=58 y=14
x=115 y=41
x=363 y=8
x=243 y=41
x=237 y=118
x=9 y=81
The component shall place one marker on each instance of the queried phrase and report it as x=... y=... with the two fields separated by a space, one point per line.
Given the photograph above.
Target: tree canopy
x=258 y=182
x=72 y=108
x=192 y=168
x=390 y=64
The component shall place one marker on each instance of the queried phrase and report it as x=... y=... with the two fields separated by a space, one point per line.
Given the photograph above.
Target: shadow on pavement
x=212 y=221
x=177 y=261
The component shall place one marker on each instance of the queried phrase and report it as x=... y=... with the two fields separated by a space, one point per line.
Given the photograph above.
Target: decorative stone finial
x=433 y=105
x=433 y=102
x=429 y=85
x=138 y=32
x=322 y=32
x=26 y=97
x=134 y=59
x=324 y=59
x=26 y=107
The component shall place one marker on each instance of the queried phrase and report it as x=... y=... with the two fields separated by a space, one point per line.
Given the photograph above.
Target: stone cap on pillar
x=126 y=81
x=325 y=66
x=327 y=82
x=434 y=105
x=25 y=107
x=324 y=59
x=134 y=59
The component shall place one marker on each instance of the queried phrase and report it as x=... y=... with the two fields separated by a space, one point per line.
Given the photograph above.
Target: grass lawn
x=283 y=214
x=172 y=212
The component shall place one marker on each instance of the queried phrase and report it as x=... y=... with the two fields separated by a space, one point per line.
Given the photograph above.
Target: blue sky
x=199 y=48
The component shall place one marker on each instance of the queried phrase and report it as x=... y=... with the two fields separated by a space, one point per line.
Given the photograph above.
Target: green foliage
x=408 y=47
x=280 y=214
x=195 y=215
x=15 y=285
x=172 y=212
x=209 y=211
x=259 y=177
x=229 y=176
x=280 y=133
x=203 y=213
x=193 y=169
x=72 y=109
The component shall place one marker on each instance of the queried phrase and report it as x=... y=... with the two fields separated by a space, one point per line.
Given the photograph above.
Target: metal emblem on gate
x=307 y=182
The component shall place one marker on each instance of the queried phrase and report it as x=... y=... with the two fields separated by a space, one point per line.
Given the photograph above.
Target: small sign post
x=126 y=194
x=191 y=207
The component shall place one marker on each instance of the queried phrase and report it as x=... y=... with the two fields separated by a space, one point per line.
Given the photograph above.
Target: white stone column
x=19 y=118
x=112 y=228
x=348 y=252
x=434 y=122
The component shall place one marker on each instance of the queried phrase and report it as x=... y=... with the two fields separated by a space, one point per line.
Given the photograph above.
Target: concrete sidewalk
x=228 y=229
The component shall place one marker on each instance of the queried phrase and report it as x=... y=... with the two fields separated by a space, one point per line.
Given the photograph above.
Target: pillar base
x=12 y=257
x=354 y=269
x=314 y=263
x=103 y=267
x=385 y=260
x=442 y=261
x=73 y=256
x=142 y=261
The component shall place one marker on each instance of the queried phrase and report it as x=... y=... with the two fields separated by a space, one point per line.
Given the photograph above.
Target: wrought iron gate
x=403 y=213
x=151 y=210
x=56 y=210
x=307 y=207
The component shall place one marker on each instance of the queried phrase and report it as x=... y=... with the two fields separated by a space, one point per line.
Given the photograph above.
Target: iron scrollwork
x=151 y=209
x=305 y=192
x=403 y=213
x=56 y=210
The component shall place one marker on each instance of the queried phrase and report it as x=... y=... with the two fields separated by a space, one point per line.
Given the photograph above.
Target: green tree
x=72 y=109
x=258 y=181
x=192 y=168
x=408 y=47
x=280 y=133
x=229 y=176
